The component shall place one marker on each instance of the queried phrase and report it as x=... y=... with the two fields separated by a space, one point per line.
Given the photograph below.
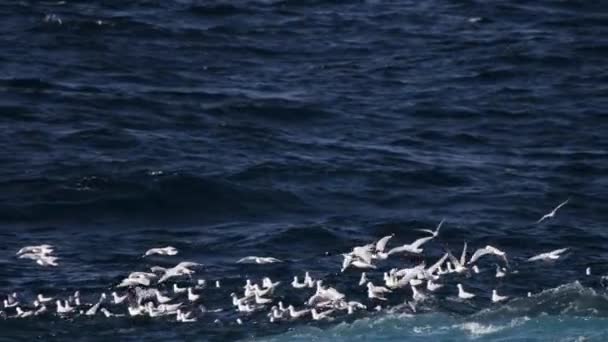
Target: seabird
x=169 y=250
x=257 y=260
x=552 y=213
x=553 y=255
x=497 y=298
x=463 y=294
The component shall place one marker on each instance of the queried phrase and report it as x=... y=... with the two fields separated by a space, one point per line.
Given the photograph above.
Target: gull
x=41 y=309
x=552 y=213
x=177 y=289
x=296 y=314
x=118 y=299
x=183 y=268
x=184 y=317
x=47 y=261
x=128 y=282
x=168 y=307
x=308 y=280
x=64 y=309
x=268 y=284
x=428 y=273
x=193 y=297
x=381 y=244
x=363 y=279
x=296 y=284
x=462 y=294
x=262 y=292
x=376 y=292
x=415 y=282
x=108 y=314
x=217 y=284
x=488 y=250
x=136 y=310
x=160 y=298
x=413 y=248
x=276 y=313
x=363 y=252
x=352 y=305
x=41 y=259
x=553 y=255
x=257 y=260
x=262 y=301
x=40 y=249
x=169 y=250
x=417 y=296
x=329 y=292
x=11 y=300
x=497 y=298
x=529 y=294
x=499 y=272
x=433 y=286
x=349 y=260
x=475 y=269
x=458 y=266
x=588 y=271
x=317 y=316
x=23 y=314
x=239 y=321
x=435 y=232
x=245 y=307
x=43 y=299
x=236 y=301
x=200 y=284
x=93 y=309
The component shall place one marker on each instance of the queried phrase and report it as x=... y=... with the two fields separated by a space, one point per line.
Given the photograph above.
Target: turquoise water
x=570 y=312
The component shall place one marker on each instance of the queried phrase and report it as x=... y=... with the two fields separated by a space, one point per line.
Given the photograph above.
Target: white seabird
x=413 y=248
x=553 y=255
x=363 y=279
x=497 y=298
x=488 y=250
x=552 y=213
x=321 y=315
x=381 y=244
x=376 y=292
x=169 y=250
x=257 y=260
x=435 y=232
x=296 y=284
x=463 y=294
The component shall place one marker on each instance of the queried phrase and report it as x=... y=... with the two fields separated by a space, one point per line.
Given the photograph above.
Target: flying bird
x=552 y=213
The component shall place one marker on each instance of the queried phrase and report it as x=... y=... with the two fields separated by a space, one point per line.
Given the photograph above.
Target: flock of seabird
x=156 y=292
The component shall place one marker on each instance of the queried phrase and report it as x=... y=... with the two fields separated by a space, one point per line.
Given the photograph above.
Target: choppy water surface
x=299 y=129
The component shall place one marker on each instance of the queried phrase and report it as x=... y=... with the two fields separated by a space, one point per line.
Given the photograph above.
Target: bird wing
x=399 y=249
x=416 y=244
x=559 y=251
x=363 y=253
x=478 y=254
x=426 y=231
x=463 y=256
x=543 y=218
x=246 y=259
x=381 y=244
x=453 y=259
x=561 y=205
x=436 y=265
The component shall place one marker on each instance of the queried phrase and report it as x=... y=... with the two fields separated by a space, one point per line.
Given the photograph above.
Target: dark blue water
x=298 y=129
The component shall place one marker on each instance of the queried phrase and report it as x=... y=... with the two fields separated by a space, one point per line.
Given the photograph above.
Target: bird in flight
x=552 y=213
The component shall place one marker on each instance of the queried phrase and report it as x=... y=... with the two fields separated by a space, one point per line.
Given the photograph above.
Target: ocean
x=298 y=130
